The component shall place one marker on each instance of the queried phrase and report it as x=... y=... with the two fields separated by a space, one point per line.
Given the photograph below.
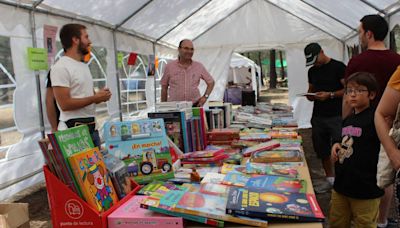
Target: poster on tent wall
x=151 y=68
x=49 y=39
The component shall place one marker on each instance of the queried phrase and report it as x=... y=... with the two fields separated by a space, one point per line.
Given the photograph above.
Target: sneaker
x=322 y=187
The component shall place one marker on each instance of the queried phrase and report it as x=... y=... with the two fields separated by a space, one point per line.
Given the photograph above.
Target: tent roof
x=167 y=22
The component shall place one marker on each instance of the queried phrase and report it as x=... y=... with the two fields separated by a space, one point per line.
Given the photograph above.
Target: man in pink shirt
x=182 y=77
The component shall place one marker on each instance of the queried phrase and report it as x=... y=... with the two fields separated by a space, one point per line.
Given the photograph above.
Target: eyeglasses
x=355 y=91
x=187 y=48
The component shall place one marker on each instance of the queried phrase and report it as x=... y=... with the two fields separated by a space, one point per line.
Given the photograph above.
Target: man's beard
x=82 y=49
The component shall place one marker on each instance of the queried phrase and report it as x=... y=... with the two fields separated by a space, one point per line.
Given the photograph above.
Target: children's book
x=271 y=169
x=268 y=205
x=258 y=137
x=200 y=160
x=91 y=174
x=118 y=171
x=276 y=156
x=243 y=143
x=203 y=154
x=142 y=145
x=277 y=184
x=155 y=185
x=234 y=178
x=214 y=189
x=261 y=147
x=65 y=143
x=153 y=204
x=226 y=134
x=215 y=178
x=279 y=134
x=130 y=214
x=231 y=167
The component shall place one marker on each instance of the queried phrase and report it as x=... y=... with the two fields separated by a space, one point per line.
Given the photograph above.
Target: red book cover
x=223 y=134
x=261 y=147
x=203 y=153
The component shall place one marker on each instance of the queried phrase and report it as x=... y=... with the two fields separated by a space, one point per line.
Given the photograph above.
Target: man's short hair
x=376 y=24
x=69 y=31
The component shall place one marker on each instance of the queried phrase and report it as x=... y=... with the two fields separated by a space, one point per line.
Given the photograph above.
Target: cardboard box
x=14 y=215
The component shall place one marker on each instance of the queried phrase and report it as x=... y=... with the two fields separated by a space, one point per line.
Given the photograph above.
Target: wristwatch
x=206 y=96
x=332 y=94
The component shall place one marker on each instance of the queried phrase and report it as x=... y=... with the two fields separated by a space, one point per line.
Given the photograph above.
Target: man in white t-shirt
x=73 y=84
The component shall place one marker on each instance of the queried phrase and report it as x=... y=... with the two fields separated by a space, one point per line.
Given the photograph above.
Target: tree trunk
x=272 y=71
x=282 y=67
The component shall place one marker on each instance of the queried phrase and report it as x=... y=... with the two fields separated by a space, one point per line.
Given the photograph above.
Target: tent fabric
x=218 y=28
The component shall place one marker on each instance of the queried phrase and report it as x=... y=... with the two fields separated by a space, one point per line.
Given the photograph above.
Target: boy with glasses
x=356 y=196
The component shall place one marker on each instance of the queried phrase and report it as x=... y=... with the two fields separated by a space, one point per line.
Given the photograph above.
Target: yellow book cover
x=91 y=174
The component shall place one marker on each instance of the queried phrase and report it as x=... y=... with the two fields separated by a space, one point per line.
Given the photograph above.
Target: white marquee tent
x=217 y=27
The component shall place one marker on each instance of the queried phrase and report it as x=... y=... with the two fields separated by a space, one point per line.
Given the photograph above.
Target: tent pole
x=132 y=15
x=117 y=76
x=154 y=77
x=37 y=75
x=373 y=7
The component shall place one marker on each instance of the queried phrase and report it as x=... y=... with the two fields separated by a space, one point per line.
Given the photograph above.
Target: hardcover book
x=130 y=214
x=271 y=169
x=143 y=146
x=276 y=156
x=261 y=147
x=91 y=174
x=277 y=184
x=268 y=205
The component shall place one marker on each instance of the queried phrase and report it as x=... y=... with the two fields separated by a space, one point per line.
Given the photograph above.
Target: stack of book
x=222 y=136
x=205 y=157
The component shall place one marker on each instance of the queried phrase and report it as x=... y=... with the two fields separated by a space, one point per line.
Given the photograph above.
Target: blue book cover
x=277 y=183
x=142 y=145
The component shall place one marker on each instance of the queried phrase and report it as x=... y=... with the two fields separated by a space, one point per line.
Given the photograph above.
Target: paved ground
x=37 y=198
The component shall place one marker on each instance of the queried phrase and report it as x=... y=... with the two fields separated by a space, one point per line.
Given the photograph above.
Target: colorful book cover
x=283 y=206
x=215 y=178
x=225 y=134
x=277 y=184
x=276 y=156
x=226 y=168
x=234 y=178
x=143 y=146
x=130 y=214
x=153 y=204
x=155 y=185
x=91 y=174
x=203 y=154
x=252 y=136
x=176 y=127
x=214 y=189
x=213 y=160
x=271 y=169
x=279 y=134
x=261 y=147
x=199 y=113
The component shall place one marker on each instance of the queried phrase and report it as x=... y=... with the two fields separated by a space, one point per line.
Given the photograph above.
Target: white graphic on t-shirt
x=347 y=148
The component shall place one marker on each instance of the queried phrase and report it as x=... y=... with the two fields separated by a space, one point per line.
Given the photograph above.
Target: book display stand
x=69 y=210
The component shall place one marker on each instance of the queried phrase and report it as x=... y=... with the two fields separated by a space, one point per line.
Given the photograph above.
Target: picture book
x=226 y=134
x=243 y=143
x=214 y=189
x=142 y=145
x=258 y=137
x=155 y=185
x=234 y=178
x=91 y=174
x=215 y=178
x=271 y=169
x=261 y=147
x=118 y=171
x=230 y=167
x=278 y=134
x=130 y=214
x=203 y=154
x=153 y=204
x=276 y=156
x=210 y=206
x=268 y=205
x=175 y=123
x=65 y=143
x=277 y=184
x=200 y=160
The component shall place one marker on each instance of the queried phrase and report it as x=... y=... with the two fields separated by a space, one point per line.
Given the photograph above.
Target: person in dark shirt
x=382 y=63
x=355 y=195
x=53 y=113
x=325 y=78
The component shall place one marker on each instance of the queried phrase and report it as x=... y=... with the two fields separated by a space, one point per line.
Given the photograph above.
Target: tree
x=282 y=66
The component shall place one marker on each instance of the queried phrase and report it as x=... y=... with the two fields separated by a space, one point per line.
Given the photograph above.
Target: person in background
x=382 y=63
x=356 y=196
x=53 y=113
x=325 y=78
x=73 y=83
x=384 y=116
x=181 y=78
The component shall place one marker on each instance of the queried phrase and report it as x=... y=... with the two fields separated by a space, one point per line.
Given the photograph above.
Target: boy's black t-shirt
x=356 y=176
x=327 y=78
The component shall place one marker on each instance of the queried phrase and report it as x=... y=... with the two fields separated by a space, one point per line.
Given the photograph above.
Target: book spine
x=184 y=132
x=212 y=222
x=65 y=170
x=270 y=216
